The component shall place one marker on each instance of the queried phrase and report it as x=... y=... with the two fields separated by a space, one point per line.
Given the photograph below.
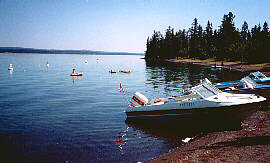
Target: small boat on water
x=111 y=71
x=77 y=74
x=216 y=67
x=10 y=67
x=203 y=97
x=258 y=77
x=125 y=71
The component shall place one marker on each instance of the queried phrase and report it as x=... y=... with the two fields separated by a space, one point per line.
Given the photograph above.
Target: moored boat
x=203 y=97
x=247 y=83
x=258 y=77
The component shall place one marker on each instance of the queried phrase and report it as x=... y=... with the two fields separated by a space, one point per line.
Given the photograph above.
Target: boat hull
x=263 y=81
x=260 y=87
x=226 y=84
x=193 y=111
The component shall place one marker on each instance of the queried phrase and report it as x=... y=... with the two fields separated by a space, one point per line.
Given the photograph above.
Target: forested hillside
x=226 y=43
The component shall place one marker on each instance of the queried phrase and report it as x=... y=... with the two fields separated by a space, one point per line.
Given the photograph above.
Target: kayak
x=124 y=71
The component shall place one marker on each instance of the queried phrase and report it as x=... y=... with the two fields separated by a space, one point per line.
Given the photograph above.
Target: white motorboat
x=203 y=97
x=215 y=67
x=247 y=83
x=257 y=77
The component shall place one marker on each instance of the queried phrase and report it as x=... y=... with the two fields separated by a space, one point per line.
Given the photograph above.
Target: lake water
x=49 y=116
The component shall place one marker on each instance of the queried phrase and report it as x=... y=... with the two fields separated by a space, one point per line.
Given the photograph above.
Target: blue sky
x=113 y=25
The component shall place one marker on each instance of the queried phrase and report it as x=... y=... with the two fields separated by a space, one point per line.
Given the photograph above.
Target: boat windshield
x=206 y=90
x=257 y=75
x=248 y=80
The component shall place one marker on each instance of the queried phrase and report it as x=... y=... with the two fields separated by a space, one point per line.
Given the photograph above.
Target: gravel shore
x=251 y=144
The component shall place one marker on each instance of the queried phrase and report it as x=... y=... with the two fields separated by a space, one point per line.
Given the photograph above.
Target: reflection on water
x=122 y=140
x=10 y=72
x=174 y=77
x=75 y=78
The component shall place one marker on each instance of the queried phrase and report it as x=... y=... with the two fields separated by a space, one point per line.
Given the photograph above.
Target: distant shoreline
x=55 y=51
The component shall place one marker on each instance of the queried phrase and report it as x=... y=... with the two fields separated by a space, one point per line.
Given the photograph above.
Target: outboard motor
x=138 y=100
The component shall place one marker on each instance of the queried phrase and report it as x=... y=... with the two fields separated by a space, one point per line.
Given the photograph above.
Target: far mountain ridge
x=56 y=51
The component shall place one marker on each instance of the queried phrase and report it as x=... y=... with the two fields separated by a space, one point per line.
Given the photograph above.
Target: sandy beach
x=250 y=144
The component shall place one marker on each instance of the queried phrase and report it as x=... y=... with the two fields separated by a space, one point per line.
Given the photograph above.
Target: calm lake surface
x=49 y=116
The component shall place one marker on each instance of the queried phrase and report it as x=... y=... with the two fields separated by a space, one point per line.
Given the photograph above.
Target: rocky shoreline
x=265 y=67
x=250 y=144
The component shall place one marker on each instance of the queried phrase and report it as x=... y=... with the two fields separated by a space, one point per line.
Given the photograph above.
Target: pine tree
x=227 y=37
x=244 y=42
x=208 y=40
x=194 y=39
x=226 y=43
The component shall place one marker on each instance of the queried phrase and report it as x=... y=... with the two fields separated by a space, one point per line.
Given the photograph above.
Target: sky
x=113 y=25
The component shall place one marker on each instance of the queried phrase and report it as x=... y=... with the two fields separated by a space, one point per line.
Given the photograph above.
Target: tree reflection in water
x=169 y=78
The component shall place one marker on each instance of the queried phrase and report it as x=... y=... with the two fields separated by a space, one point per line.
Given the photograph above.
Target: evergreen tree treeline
x=226 y=43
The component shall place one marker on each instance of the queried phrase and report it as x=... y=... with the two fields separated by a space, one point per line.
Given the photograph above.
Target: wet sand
x=249 y=144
